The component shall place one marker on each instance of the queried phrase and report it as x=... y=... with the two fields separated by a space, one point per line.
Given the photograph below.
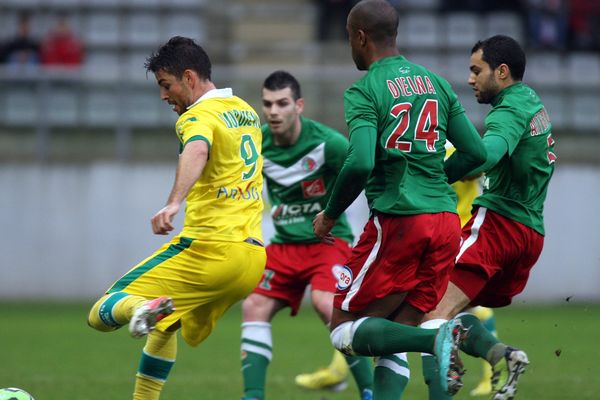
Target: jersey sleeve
x=190 y=128
x=359 y=109
x=336 y=149
x=508 y=123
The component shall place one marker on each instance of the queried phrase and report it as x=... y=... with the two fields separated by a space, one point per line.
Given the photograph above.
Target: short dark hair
x=378 y=18
x=177 y=55
x=501 y=49
x=279 y=80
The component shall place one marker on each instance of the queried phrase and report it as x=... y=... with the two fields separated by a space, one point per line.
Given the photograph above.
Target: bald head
x=377 y=18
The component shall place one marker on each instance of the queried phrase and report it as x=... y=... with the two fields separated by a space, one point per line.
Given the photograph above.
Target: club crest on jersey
x=344 y=276
x=309 y=164
x=313 y=188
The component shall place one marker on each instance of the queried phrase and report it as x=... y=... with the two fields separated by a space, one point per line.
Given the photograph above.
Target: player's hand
x=162 y=220
x=322 y=226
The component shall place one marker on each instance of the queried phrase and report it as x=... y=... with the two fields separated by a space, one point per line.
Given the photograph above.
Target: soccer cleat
x=483 y=388
x=148 y=314
x=447 y=341
x=506 y=374
x=323 y=379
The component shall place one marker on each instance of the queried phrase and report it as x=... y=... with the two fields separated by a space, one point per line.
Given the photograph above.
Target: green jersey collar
x=496 y=100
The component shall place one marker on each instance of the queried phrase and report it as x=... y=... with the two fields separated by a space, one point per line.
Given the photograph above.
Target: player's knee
x=257 y=308
x=323 y=305
x=343 y=335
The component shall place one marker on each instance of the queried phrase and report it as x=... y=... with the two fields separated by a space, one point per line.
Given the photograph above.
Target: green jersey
x=411 y=109
x=516 y=186
x=300 y=178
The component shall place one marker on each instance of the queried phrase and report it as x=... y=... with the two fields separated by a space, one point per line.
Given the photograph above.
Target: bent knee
x=343 y=335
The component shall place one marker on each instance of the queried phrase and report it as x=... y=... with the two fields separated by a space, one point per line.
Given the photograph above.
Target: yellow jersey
x=225 y=204
x=466 y=192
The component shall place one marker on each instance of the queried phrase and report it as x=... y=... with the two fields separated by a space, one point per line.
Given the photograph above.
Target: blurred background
x=88 y=152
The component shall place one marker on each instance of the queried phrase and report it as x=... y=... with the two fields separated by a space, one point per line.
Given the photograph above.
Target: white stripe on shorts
x=356 y=283
x=474 y=232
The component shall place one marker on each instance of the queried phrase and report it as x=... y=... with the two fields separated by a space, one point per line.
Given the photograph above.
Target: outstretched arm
x=191 y=164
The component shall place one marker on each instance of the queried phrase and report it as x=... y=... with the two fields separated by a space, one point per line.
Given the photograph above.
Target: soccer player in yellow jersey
x=218 y=257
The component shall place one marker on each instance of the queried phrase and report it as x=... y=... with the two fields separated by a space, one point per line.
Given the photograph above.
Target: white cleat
x=507 y=372
x=148 y=314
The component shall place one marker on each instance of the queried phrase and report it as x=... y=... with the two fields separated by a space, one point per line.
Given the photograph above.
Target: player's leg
x=361 y=367
x=377 y=336
x=452 y=302
x=487 y=317
x=113 y=311
x=391 y=376
x=158 y=357
x=383 y=270
x=507 y=362
x=257 y=343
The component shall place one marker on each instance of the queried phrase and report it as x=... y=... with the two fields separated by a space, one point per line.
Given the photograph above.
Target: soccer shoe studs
x=507 y=372
x=447 y=341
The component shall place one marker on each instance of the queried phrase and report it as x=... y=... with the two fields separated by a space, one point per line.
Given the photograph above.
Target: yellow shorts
x=203 y=278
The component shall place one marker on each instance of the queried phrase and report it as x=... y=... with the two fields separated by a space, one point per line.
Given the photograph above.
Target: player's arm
x=503 y=132
x=351 y=180
x=191 y=163
x=470 y=151
x=496 y=148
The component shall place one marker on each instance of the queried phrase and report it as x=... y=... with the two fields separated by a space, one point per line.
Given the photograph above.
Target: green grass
x=48 y=350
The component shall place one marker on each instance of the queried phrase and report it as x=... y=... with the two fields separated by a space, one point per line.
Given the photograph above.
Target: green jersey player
x=399 y=117
x=302 y=159
x=505 y=236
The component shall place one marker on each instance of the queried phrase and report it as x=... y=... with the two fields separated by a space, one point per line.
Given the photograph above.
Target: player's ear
x=300 y=105
x=190 y=77
x=362 y=37
x=503 y=72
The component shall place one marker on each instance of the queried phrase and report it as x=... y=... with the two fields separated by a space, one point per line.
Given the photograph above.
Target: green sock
x=480 y=342
x=431 y=375
x=256 y=356
x=380 y=337
x=391 y=376
x=254 y=371
x=362 y=371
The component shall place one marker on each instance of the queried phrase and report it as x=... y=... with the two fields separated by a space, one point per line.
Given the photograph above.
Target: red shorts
x=410 y=254
x=292 y=267
x=495 y=258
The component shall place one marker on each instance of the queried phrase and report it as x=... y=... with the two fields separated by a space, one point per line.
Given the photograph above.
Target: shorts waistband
x=255 y=242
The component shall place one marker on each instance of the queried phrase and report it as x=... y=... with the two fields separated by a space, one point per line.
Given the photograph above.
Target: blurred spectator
x=21 y=50
x=547 y=23
x=585 y=24
x=331 y=23
x=61 y=46
x=478 y=6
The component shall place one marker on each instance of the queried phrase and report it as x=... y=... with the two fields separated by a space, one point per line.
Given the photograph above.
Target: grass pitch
x=48 y=350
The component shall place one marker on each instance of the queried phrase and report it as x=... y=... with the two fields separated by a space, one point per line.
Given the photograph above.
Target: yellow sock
x=157 y=360
x=113 y=310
